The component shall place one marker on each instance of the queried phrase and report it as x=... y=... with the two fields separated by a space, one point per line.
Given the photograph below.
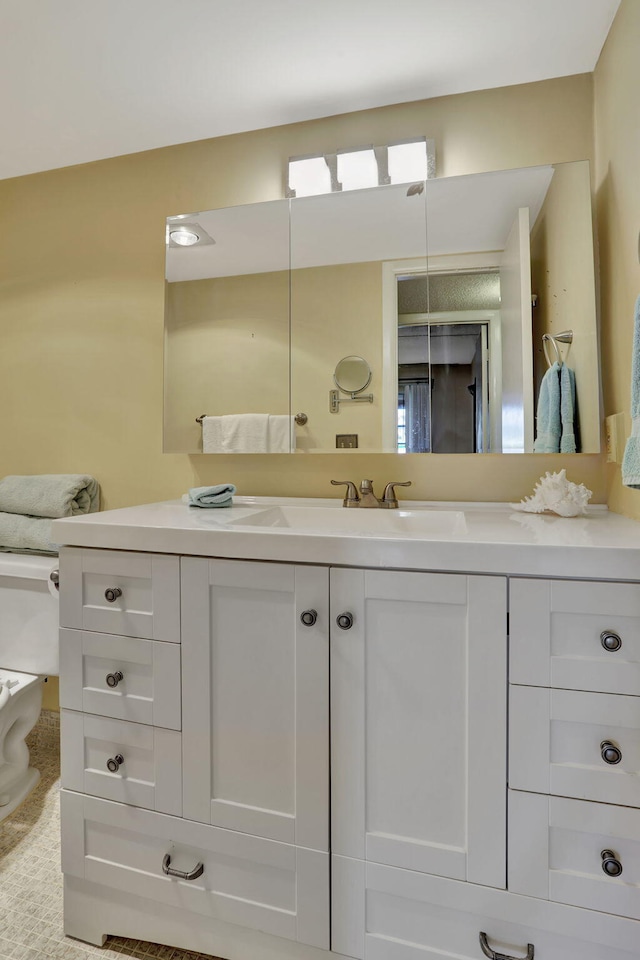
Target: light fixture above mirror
x=357 y=168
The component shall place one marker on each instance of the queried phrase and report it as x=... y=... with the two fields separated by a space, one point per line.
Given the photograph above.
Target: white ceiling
x=82 y=80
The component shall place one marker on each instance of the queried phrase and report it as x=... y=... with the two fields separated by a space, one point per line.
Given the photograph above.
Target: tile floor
x=30 y=877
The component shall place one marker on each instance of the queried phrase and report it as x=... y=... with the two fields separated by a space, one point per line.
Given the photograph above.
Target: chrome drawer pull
x=610 y=863
x=309 y=617
x=113 y=679
x=114 y=763
x=197 y=871
x=488 y=952
x=345 y=621
x=111 y=594
x=610 y=752
x=610 y=640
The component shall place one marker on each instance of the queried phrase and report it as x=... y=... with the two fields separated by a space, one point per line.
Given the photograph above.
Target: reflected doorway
x=443 y=385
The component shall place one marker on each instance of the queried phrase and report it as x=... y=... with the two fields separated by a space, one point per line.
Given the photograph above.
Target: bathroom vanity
x=289 y=728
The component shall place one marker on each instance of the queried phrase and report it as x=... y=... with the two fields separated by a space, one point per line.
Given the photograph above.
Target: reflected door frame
x=392 y=271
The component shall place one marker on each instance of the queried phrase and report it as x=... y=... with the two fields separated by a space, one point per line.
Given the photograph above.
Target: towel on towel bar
x=555 y=417
x=52 y=495
x=236 y=433
x=282 y=434
x=219 y=495
x=548 y=413
x=567 y=409
x=248 y=433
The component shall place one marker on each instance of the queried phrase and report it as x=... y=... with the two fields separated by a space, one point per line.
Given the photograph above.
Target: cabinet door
x=418 y=722
x=256 y=699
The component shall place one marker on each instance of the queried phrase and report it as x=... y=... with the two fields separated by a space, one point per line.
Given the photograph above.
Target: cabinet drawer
x=262 y=884
x=557 y=852
x=558 y=635
x=385 y=913
x=122 y=677
x=132 y=594
x=561 y=740
x=130 y=762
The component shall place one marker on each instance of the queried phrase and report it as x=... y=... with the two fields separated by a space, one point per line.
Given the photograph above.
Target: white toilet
x=28 y=653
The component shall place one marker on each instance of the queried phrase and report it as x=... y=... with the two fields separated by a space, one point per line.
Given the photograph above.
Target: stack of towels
x=248 y=433
x=29 y=504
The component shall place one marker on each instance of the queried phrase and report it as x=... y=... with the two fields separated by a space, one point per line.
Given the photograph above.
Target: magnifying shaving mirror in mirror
x=352 y=375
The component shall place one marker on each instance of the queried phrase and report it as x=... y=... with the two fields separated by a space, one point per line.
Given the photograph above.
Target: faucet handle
x=389 y=498
x=351 y=498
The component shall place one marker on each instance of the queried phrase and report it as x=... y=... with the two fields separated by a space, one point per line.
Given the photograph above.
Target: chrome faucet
x=368 y=498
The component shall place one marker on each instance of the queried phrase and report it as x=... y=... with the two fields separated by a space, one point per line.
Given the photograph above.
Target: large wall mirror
x=458 y=294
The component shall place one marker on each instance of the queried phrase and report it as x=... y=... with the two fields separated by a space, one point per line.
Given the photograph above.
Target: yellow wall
x=82 y=295
x=617 y=176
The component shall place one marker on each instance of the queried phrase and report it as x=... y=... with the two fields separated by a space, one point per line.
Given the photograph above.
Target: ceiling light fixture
x=184 y=238
x=187 y=234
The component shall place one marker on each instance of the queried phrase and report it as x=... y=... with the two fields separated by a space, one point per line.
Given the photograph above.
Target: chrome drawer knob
x=170 y=871
x=111 y=594
x=610 y=640
x=488 y=952
x=610 y=863
x=309 y=617
x=345 y=621
x=113 y=679
x=609 y=752
x=114 y=763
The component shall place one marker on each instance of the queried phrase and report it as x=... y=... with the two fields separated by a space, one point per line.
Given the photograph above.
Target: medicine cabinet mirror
x=446 y=291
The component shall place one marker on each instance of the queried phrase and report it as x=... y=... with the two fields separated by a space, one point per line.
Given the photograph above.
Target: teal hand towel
x=631 y=458
x=548 y=414
x=567 y=409
x=219 y=495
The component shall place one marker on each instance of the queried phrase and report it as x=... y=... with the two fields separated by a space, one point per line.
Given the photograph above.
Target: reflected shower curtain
x=417 y=406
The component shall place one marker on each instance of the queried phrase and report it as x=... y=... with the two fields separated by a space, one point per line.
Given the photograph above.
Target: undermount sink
x=365 y=522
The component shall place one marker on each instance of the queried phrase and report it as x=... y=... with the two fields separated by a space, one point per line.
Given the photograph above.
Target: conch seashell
x=554 y=492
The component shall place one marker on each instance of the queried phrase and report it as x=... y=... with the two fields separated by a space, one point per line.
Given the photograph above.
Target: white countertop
x=479 y=537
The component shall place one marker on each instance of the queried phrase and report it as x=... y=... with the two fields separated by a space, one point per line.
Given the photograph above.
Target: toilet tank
x=28 y=614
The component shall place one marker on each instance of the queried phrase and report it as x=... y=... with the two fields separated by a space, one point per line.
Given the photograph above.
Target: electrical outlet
x=346 y=441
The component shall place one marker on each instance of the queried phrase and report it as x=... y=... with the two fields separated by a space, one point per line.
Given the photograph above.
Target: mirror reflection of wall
x=227 y=322
x=287 y=287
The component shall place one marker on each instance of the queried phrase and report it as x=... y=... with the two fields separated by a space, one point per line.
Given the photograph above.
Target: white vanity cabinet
x=346 y=757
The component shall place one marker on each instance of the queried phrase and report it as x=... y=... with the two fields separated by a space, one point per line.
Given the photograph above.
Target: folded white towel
x=282 y=435
x=236 y=433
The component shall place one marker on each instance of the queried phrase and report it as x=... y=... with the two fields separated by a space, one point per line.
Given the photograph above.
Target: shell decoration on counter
x=554 y=492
